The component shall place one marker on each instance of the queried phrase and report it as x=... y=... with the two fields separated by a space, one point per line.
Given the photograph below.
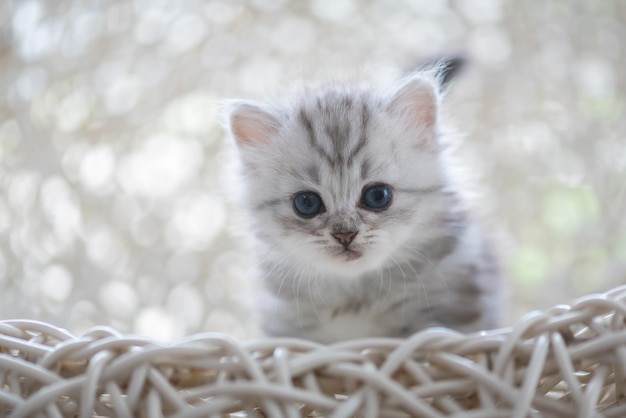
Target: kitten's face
x=342 y=180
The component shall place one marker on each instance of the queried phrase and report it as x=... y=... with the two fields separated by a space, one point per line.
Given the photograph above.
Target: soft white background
x=113 y=179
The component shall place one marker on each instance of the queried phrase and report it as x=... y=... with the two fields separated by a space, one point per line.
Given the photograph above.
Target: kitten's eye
x=308 y=204
x=376 y=197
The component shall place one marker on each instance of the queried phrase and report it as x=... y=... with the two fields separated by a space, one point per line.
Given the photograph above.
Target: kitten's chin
x=349 y=263
x=350 y=255
x=346 y=254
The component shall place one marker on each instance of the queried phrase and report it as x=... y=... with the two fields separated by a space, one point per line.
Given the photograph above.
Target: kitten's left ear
x=417 y=102
x=251 y=124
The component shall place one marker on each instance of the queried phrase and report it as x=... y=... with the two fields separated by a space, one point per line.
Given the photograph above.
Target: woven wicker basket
x=567 y=362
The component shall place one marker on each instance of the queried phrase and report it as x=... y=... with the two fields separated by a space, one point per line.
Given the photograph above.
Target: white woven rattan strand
x=569 y=361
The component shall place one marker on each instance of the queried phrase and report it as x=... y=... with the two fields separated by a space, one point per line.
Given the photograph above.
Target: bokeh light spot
x=154 y=322
x=160 y=165
x=56 y=283
x=119 y=299
x=97 y=167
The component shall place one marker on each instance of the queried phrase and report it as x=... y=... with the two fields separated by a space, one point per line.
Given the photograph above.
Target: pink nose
x=345 y=238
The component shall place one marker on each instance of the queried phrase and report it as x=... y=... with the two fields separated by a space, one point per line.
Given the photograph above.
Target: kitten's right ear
x=417 y=102
x=251 y=124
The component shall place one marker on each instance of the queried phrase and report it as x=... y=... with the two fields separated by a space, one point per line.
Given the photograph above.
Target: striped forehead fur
x=336 y=123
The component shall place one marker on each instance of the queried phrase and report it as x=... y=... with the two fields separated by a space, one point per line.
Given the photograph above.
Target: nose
x=344 y=238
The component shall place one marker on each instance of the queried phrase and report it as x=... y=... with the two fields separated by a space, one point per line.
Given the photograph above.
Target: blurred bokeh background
x=113 y=181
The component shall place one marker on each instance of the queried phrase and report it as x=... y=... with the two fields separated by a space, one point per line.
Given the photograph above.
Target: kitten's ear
x=416 y=101
x=251 y=124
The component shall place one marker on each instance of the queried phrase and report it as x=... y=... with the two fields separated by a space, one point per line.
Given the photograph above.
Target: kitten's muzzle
x=345 y=238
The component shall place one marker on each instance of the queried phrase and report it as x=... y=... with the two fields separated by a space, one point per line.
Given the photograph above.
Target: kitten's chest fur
x=456 y=291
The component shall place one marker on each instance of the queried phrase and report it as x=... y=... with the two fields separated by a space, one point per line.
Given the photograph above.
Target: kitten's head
x=345 y=179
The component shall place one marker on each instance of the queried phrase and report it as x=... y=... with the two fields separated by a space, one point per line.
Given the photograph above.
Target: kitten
x=362 y=229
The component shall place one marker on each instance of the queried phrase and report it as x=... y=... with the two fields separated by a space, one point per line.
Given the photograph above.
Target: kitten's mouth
x=349 y=254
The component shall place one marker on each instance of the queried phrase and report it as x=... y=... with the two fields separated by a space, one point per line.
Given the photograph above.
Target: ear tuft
x=251 y=124
x=448 y=69
x=445 y=69
x=416 y=102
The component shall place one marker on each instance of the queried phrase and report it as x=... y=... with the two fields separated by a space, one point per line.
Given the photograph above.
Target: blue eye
x=307 y=204
x=376 y=197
